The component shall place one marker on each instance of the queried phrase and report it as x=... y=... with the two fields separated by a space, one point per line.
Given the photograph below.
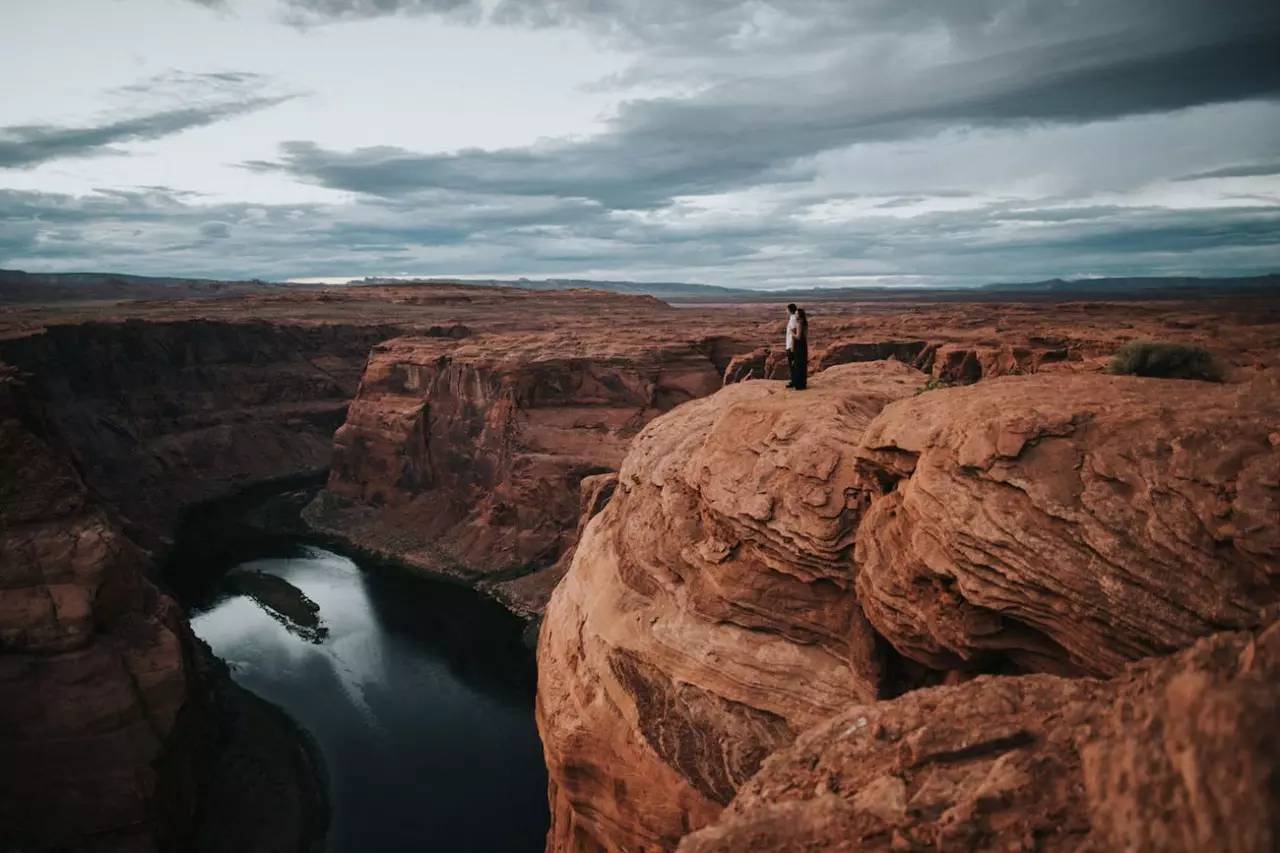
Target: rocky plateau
x=1028 y=610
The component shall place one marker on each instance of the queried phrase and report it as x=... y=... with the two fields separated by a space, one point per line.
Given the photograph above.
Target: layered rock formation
x=465 y=457
x=163 y=415
x=117 y=732
x=717 y=607
x=1070 y=523
x=757 y=631
x=709 y=614
x=1176 y=753
x=94 y=661
x=951 y=363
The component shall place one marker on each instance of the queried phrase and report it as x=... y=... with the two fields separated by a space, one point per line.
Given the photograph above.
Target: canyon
x=967 y=525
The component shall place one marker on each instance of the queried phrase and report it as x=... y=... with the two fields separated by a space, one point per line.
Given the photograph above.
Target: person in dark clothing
x=800 y=372
x=798 y=347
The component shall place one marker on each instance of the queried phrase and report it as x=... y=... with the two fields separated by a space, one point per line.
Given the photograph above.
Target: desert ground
x=971 y=589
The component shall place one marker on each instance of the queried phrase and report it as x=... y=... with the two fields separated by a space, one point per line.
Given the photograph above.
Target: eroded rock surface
x=93 y=667
x=1070 y=523
x=1174 y=754
x=466 y=458
x=709 y=613
x=163 y=415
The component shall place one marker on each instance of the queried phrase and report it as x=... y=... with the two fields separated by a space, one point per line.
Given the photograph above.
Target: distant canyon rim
x=968 y=591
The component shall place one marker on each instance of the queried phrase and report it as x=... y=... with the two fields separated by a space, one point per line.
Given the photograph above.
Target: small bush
x=1166 y=361
x=933 y=384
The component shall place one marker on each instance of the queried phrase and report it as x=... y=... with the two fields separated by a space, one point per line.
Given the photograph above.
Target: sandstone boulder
x=759 y=363
x=964 y=364
x=1175 y=754
x=1067 y=522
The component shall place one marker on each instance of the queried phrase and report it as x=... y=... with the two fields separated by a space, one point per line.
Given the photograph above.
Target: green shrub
x=934 y=384
x=1166 y=361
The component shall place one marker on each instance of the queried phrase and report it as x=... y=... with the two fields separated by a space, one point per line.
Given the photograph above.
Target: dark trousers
x=798 y=361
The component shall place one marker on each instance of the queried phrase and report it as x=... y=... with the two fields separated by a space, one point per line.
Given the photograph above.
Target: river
x=419 y=695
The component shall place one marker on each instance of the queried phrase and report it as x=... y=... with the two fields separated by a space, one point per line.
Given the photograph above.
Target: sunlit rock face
x=709 y=614
x=771 y=560
x=1175 y=753
x=1069 y=523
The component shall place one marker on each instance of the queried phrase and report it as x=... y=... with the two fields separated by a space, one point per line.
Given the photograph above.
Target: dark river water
x=419 y=694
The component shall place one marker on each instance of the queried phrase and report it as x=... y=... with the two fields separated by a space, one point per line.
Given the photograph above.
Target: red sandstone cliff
x=465 y=457
x=717 y=607
x=753 y=641
x=116 y=731
x=1070 y=523
x=709 y=615
x=1175 y=753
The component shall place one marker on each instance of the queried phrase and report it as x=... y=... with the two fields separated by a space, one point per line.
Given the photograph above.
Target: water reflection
x=420 y=696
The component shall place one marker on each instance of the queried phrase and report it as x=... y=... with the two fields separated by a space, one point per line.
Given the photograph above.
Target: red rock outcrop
x=466 y=458
x=709 y=614
x=1175 y=754
x=93 y=667
x=527 y=596
x=916 y=353
x=962 y=364
x=950 y=363
x=759 y=363
x=1069 y=523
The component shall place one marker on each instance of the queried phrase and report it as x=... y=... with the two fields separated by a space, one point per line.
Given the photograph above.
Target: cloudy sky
x=754 y=143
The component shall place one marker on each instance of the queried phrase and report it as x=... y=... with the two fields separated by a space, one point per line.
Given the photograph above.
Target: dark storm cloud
x=1243 y=170
x=155 y=230
x=1005 y=64
x=316 y=11
x=215 y=230
x=1027 y=141
x=22 y=146
x=738 y=133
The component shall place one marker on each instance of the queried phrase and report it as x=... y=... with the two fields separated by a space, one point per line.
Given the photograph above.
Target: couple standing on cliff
x=798 y=347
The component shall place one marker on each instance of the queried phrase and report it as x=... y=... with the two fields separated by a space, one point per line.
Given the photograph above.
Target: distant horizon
x=337 y=281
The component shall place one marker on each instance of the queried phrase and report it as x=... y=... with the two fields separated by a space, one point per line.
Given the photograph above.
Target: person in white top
x=797 y=347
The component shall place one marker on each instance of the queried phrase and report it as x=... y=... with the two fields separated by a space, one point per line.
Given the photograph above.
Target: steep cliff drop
x=162 y=415
x=119 y=731
x=464 y=457
x=709 y=614
x=718 y=608
x=95 y=662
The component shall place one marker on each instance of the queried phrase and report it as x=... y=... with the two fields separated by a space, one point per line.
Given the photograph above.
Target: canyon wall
x=948 y=362
x=465 y=457
x=95 y=662
x=159 y=416
x=709 y=614
x=771 y=560
x=117 y=731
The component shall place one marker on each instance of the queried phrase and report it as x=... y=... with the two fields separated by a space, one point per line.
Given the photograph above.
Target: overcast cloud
x=758 y=143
